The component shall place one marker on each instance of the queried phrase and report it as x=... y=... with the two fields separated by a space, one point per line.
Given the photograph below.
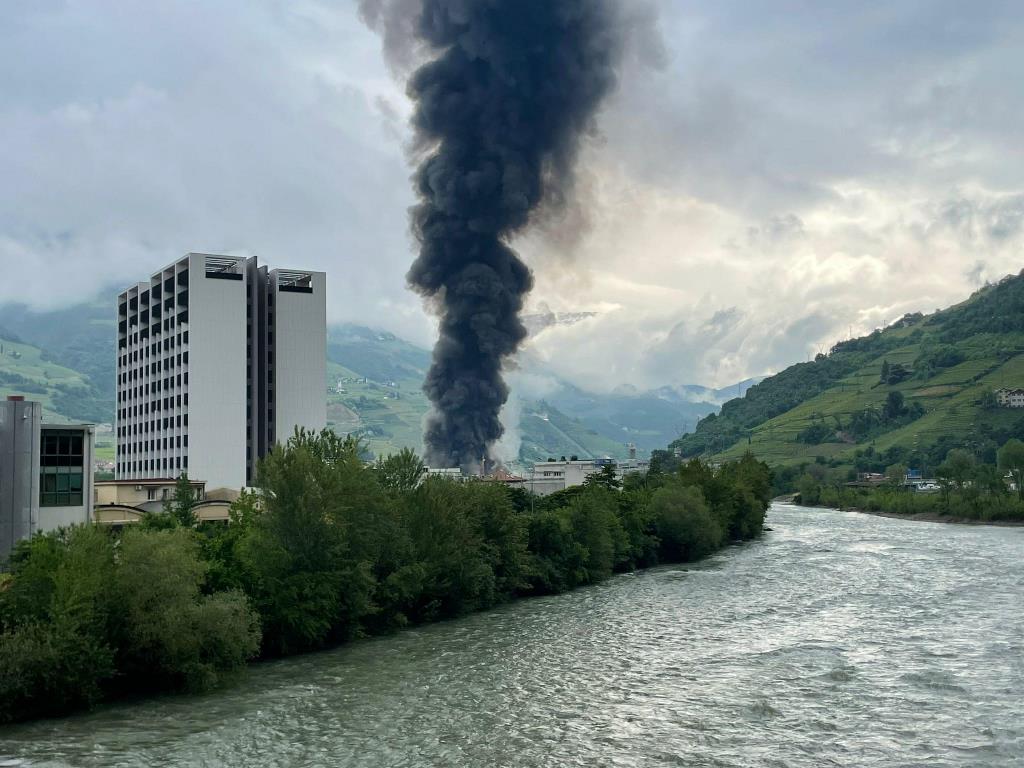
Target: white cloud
x=783 y=175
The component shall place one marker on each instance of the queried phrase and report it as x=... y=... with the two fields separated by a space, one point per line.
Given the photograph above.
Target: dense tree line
x=330 y=549
x=970 y=488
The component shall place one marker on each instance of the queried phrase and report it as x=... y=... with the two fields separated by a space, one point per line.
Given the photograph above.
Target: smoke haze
x=499 y=114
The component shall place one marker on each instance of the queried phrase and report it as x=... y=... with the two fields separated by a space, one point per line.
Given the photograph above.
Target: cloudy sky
x=769 y=177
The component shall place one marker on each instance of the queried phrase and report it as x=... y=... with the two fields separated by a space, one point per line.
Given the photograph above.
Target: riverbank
x=935 y=517
x=334 y=550
x=919 y=517
x=834 y=640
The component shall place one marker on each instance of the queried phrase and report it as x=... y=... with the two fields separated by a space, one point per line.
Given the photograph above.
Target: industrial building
x=556 y=475
x=217 y=359
x=46 y=479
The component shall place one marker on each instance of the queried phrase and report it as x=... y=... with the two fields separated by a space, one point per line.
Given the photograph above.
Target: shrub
x=686 y=527
x=172 y=635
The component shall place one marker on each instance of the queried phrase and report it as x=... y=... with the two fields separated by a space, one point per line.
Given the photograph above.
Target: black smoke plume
x=499 y=111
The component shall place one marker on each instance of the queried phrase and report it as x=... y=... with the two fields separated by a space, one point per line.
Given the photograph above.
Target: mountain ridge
x=373 y=388
x=906 y=393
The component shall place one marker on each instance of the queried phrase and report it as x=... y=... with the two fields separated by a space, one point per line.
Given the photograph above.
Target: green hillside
x=79 y=338
x=25 y=370
x=547 y=432
x=939 y=372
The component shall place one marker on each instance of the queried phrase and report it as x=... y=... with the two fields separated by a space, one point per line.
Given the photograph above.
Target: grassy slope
x=547 y=432
x=950 y=398
x=387 y=418
x=383 y=401
x=27 y=362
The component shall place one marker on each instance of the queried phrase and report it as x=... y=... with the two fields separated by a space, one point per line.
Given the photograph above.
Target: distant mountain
x=378 y=355
x=66 y=358
x=904 y=394
x=79 y=338
x=376 y=393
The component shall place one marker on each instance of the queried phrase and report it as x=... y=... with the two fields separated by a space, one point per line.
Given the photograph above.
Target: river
x=837 y=639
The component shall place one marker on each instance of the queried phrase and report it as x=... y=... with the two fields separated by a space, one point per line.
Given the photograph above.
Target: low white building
x=1010 y=398
x=553 y=475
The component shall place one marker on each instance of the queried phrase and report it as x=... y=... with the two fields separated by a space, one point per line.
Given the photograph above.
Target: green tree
x=400 y=472
x=896 y=474
x=685 y=525
x=958 y=467
x=296 y=555
x=172 y=636
x=221 y=544
x=605 y=478
x=449 y=547
x=809 y=489
x=1011 y=459
x=894 y=406
x=55 y=651
x=180 y=507
x=596 y=529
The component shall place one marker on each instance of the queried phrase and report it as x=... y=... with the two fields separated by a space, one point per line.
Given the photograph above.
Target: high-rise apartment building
x=217 y=359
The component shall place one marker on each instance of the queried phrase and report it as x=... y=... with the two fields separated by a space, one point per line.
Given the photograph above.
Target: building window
x=61 y=460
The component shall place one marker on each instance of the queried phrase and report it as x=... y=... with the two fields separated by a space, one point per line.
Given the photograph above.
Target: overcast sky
x=768 y=179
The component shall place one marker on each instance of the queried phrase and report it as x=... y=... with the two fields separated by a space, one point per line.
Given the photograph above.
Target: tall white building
x=217 y=359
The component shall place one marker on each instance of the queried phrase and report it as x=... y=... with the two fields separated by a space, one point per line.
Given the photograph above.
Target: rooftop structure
x=124 y=502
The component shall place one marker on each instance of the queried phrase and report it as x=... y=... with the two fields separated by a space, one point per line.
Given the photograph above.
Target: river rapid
x=837 y=639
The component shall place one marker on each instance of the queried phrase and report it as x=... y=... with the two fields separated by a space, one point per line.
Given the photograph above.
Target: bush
x=687 y=530
x=174 y=637
x=55 y=651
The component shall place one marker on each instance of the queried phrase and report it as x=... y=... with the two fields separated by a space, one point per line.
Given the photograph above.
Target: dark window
x=61 y=461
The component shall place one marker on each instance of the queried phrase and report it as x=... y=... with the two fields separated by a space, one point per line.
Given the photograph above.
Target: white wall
x=300 y=365
x=51 y=518
x=217 y=377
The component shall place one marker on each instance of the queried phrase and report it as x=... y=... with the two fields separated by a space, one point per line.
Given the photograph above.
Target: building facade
x=217 y=359
x=46 y=479
x=125 y=502
x=1010 y=398
x=553 y=475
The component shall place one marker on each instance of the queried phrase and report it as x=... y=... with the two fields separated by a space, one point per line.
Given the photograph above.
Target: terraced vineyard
x=25 y=370
x=980 y=348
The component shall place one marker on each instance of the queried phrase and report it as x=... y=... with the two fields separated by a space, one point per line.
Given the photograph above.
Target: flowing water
x=837 y=639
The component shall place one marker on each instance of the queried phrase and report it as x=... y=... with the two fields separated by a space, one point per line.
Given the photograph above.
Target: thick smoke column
x=501 y=111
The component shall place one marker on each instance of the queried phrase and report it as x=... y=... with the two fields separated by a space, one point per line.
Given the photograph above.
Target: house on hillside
x=1010 y=398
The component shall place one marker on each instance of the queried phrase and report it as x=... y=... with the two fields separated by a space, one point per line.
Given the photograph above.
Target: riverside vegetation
x=971 y=489
x=331 y=550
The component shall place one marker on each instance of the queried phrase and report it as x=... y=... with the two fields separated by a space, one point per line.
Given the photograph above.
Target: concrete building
x=553 y=475
x=1010 y=398
x=217 y=359
x=124 y=502
x=556 y=475
x=45 y=473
